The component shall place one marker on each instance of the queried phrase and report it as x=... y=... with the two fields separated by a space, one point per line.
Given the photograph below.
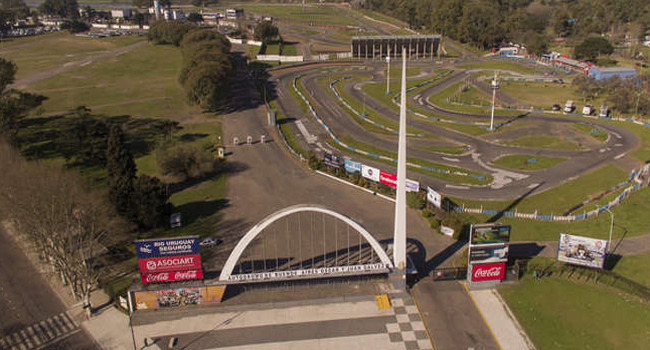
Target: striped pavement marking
x=40 y=334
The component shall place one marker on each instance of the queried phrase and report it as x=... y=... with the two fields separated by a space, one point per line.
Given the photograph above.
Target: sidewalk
x=502 y=323
x=110 y=329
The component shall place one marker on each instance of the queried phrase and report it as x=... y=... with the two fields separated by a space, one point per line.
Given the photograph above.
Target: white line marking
x=451 y=159
x=457 y=187
x=533 y=185
x=620 y=156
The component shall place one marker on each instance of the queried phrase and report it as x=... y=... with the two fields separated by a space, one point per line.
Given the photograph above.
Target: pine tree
x=121 y=171
x=149 y=201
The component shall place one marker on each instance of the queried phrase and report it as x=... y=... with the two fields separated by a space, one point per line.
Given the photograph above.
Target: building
x=600 y=73
x=173 y=15
x=378 y=47
x=121 y=13
x=234 y=13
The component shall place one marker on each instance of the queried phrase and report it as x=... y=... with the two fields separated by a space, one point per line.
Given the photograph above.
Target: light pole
x=388 y=72
x=495 y=87
x=611 y=228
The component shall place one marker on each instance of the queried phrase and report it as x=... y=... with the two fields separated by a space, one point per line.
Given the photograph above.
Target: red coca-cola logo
x=161 y=277
x=488 y=272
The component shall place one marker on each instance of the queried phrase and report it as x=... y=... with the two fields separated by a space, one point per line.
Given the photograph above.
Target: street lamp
x=611 y=228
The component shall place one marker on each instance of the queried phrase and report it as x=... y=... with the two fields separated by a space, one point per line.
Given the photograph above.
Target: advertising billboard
x=351 y=166
x=488 y=272
x=332 y=160
x=160 y=277
x=370 y=173
x=178 y=297
x=387 y=178
x=412 y=186
x=434 y=197
x=149 y=248
x=489 y=233
x=170 y=263
x=488 y=254
x=582 y=251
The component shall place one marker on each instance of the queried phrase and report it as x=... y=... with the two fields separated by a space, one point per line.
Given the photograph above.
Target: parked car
x=604 y=112
x=587 y=110
x=556 y=107
x=210 y=242
x=568 y=107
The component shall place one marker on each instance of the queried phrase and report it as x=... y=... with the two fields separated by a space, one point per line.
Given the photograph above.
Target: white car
x=210 y=241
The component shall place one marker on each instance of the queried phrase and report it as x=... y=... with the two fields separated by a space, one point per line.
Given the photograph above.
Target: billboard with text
x=582 y=251
x=370 y=173
x=173 y=276
x=388 y=178
x=434 y=197
x=352 y=166
x=170 y=263
x=412 y=186
x=148 y=248
x=488 y=254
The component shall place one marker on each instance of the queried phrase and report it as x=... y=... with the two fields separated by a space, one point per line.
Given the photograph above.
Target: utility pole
x=495 y=87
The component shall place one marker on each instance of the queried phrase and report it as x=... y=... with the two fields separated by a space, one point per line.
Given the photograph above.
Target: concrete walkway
x=502 y=323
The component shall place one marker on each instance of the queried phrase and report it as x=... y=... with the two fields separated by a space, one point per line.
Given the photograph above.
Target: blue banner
x=150 y=248
x=352 y=167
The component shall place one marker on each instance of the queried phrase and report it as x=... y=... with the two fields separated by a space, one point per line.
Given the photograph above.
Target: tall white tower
x=399 y=236
x=156 y=8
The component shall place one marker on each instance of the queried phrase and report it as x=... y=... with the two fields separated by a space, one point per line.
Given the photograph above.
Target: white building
x=234 y=13
x=121 y=13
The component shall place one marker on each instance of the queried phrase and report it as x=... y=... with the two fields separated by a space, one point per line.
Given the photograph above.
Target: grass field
x=643 y=133
x=561 y=314
x=474 y=96
x=545 y=95
x=289 y=49
x=446 y=150
x=592 y=131
x=503 y=65
x=43 y=52
x=561 y=198
x=140 y=83
x=635 y=267
x=396 y=72
x=440 y=99
x=544 y=141
x=526 y=162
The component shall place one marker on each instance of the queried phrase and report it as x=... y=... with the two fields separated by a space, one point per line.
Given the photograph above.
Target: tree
x=207 y=85
x=265 y=31
x=204 y=3
x=586 y=85
x=537 y=44
x=75 y=26
x=61 y=8
x=592 y=47
x=185 y=160
x=149 y=202
x=480 y=24
x=120 y=170
x=14 y=104
x=68 y=224
x=7 y=73
x=195 y=17
x=168 y=32
x=12 y=10
x=85 y=139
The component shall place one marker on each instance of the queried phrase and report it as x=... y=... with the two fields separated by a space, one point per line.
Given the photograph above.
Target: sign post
x=488 y=254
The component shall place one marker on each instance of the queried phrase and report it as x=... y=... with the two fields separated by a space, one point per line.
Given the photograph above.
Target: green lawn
x=473 y=96
x=396 y=71
x=455 y=150
x=38 y=53
x=635 y=267
x=504 y=65
x=561 y=198
x=440 y=99
x=592 y=131
x=272 y=48
x=526 y=161
x=140 y=83
x=560 y=314
x=544 y=95
x=289 y=49
x=643 y=133
x=544 y=141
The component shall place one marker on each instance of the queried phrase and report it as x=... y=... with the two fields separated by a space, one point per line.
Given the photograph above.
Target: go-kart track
x=435 y=128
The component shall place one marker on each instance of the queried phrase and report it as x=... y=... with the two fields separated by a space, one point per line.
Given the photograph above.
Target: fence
x=637 y=176
x=279 y=58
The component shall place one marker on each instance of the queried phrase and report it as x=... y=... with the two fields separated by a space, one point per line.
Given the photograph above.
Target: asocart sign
x=170 y=263
x=322 y=271
x=488 y=272
x=149 y=248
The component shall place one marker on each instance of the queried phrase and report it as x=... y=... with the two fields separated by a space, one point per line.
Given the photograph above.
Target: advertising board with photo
x=370 y=173
x=583 y=251
x=489 y=234
x=434 y=197
x=352 y=166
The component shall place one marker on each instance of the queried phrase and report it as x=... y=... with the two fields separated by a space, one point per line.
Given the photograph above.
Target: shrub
x=416 y=200
x=185 y=161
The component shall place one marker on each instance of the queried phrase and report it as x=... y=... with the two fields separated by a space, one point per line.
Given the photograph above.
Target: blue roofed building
x=600 y=73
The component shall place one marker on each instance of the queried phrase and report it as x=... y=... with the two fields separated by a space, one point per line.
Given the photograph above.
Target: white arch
x=257 y=229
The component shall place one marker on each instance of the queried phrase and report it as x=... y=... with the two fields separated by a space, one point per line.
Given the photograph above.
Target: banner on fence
x=351 y=166
x=332 y=160
x=434 y=197
x=583 y=251
x=489 y=233
x=370 y=173
x=412 y=186
x=388 y=178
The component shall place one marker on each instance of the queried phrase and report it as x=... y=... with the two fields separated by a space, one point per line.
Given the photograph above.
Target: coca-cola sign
x=488 y=272
x=170 y=263
x=162 y=277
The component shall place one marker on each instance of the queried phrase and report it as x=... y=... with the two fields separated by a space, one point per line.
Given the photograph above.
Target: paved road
x=32 y=315
x=511 y=184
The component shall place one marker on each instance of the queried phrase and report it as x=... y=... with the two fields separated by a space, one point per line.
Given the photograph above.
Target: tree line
x=207 y=64
x=629 y=96
x=485 y=22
